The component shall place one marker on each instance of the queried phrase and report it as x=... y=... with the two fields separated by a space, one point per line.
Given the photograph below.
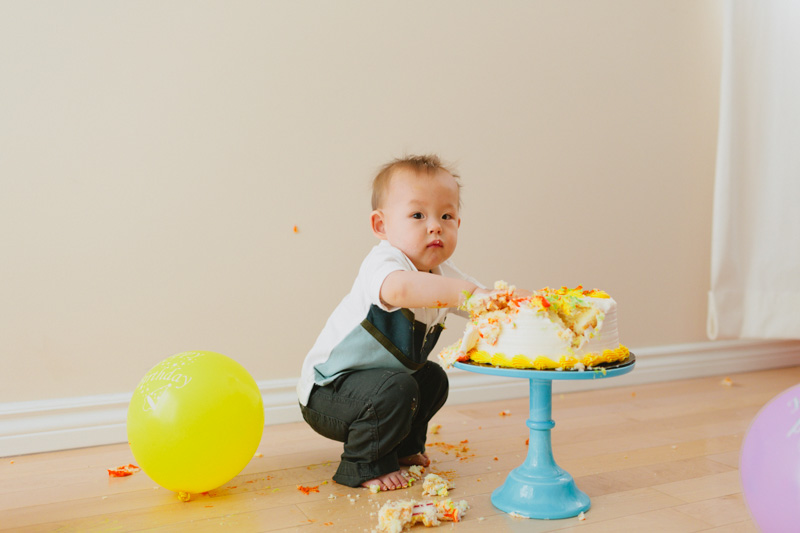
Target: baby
x=366 y=381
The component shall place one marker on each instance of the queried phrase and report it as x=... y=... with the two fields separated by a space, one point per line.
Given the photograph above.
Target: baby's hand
x=482 y=300
x=469 y=300
x=483 y=292
x=510 y=292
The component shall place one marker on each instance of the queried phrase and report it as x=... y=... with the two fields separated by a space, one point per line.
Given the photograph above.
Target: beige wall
x=155 y=157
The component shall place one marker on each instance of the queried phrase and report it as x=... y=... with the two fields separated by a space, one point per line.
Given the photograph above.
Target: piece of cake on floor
x=394 y=516
x=552 y=329
x=435 y=485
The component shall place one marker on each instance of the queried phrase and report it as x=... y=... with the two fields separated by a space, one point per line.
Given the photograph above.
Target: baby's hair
x=421 y=164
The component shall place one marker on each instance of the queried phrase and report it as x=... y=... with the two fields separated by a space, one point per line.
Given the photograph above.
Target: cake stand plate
x=539 y=488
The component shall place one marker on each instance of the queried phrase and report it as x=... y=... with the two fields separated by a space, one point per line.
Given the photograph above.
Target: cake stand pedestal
x=539 y=488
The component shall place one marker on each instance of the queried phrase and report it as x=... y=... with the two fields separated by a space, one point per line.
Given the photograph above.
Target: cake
x=550 y=329
x=435 y=485
x=395 y=516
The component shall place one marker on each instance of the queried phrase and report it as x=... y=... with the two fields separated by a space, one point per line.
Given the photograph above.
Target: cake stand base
x=539 y=488
x=537 y=497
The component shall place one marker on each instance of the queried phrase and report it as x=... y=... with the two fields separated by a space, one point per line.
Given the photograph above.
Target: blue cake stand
x=539 y=488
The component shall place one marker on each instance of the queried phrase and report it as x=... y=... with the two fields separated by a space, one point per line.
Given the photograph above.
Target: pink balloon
x=770 y=464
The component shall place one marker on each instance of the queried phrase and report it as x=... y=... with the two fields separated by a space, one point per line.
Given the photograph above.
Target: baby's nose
x=434 y=227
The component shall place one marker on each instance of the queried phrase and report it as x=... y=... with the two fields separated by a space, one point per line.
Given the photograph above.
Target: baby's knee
x=400 y=393
x=436 y=374
x=432 y=380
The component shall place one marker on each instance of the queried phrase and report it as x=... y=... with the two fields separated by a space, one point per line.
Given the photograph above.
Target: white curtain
x=755 y=253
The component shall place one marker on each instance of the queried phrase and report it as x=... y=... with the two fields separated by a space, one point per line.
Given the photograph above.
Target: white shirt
x=363 y=333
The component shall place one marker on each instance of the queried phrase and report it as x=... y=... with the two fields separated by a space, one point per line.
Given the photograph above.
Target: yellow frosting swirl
x=541 y=362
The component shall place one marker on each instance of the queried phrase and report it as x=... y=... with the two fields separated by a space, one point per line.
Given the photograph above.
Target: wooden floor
x=660 y=457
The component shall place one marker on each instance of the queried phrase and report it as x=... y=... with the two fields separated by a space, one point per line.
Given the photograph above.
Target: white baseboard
x=48 y=425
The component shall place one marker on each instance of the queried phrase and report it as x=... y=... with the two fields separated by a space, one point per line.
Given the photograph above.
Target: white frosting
x=532 y=333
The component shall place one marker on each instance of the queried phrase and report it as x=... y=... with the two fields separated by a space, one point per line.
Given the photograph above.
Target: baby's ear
x=377 y=223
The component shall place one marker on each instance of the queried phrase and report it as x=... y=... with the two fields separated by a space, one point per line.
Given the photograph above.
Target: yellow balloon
x=195 y=421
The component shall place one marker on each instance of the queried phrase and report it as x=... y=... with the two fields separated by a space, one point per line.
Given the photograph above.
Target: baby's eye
x=416 y=215
x=447 y=217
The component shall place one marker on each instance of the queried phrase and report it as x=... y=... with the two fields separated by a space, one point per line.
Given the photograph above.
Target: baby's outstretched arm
x=421 y=289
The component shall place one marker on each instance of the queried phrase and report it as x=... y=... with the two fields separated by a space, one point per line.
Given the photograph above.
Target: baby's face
x=420 y=216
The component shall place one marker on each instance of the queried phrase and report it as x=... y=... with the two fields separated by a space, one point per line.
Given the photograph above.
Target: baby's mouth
x=435 y=244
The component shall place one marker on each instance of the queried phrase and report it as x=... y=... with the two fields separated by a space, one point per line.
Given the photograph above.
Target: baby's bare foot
x=419 y=459
x=390 y=481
